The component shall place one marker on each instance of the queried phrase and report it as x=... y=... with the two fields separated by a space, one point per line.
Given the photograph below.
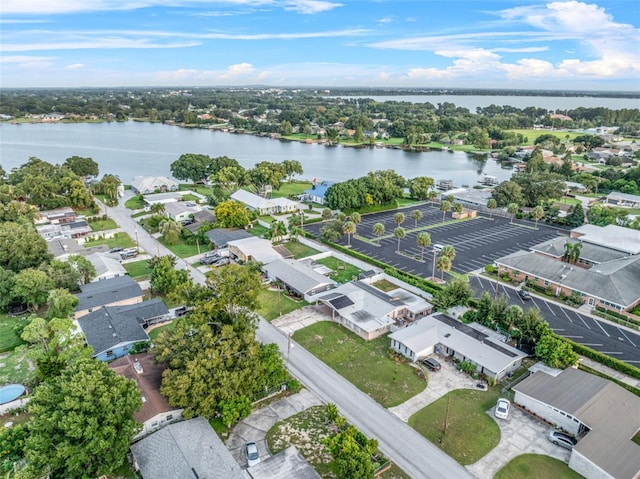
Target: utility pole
x=433 y=273
x=135 y=230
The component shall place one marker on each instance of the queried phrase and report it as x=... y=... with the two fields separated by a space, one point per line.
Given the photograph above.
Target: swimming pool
x=10 y=392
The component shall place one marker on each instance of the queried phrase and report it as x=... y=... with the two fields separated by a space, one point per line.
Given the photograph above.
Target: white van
x=438 y=247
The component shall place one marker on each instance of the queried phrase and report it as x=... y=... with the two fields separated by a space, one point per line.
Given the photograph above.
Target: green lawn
x=342 y=272
x=135 y=203
x=527 y=466
x=154 y=333
x=471 y=432
x=103 y=225
x=300 y=250
x=272 y=304
x=290 y=189
x=87 y=212
x=138 y=270
x=182 y=250
x=17 y=366
x=365 y=363
x=190 y=198
x=203 y=190
x=531 y=135
x=121 y=239
x=8 y=338
x=385 y=285
x=258 y=230
x=268 y=219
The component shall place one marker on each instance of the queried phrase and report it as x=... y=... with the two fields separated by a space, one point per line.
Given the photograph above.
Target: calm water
x=553 y=103
x=132 y=148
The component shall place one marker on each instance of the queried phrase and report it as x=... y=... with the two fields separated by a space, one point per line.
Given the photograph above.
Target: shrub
x=489 y=268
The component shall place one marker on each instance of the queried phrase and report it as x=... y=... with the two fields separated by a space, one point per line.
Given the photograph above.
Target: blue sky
x=388 y=43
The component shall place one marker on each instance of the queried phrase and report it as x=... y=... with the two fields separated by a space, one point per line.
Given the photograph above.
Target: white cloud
x=75 y=66
x=384 y=20
x=23 y=58
x=308 y=7
x=238 y=70
x=99 y=43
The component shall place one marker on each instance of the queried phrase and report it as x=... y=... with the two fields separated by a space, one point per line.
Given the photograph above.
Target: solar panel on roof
x=341 y=302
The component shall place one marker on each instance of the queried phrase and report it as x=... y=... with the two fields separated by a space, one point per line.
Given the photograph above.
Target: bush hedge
x=613 y=363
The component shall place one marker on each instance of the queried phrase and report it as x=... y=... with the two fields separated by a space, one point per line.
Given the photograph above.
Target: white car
x=253 y=456
x=502 y=408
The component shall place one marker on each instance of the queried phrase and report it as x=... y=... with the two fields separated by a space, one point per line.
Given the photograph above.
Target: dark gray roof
x=615 y=281
x=612 y=413
x=220 y=237
x=143 y=312
x=107 y=327
x=106 y=292
x=200 y=218
x=179 y=449
x=288 y=464
x=596 y=254
x=297 y=275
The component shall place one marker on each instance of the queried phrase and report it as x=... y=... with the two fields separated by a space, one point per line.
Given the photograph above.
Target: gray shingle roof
x=288 y=464
x=177 y=450
x=107 y=291
x=297 y=275
x=220 y=237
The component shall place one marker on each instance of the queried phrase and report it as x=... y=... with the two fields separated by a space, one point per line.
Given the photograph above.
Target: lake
x=134 y=148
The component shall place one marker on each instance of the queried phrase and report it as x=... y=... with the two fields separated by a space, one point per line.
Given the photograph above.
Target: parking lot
x=477 y=241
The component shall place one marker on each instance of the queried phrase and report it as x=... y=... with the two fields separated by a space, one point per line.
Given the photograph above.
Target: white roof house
x=253 y=249
x=265 y=206
x=179 y=211
x=150 y=184
x=298 y=277
x=106 y=266
x=610 y=236
x=471 y=342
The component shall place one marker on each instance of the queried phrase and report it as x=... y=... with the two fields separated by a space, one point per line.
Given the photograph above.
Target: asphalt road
x=402 y=444
x=608 y=338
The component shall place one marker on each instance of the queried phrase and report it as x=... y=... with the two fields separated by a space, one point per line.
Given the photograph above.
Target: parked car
x=181 y=311
x=221 y=262
x=524 y=294
x=502 y=408
x=431 y=364
x=210 y=259
x=561 y=439
x=117 y=249
x=438 y=247
x=253 y=456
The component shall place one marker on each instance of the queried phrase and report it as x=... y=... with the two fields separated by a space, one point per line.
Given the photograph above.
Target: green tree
x=456 y=293
x=32 y=287
x=171 y=231
x=443 y=264
x=512 y=209
x=424 y=241
x=531 y=326
x=399 y=218
x=416 y=215
x=236 y=288
x=356 y=218
x=62 y=273
x=399 y=233
x=555 y=352
x=21 y=247
x=572 y=252
x=165 y=278
x=457 y=207
x=448 y=251
x=508 y=192
x=537 y=213
x=326 y=214
x=82 y=166
x=420 y=187
x=61 y=303
x=158 y=209
x=264 y=175
x=285 y=128
x=190 y=166
x=84 y=267
x=353 y=459
x=492 y=204
x=6 y=288
x=444 y=207
x=378 y=230
x=291 y=168
x=349 y=228
x=230 y=178
x=78 y=194
x=81 y=422
x=575 y=216
x=231 y=214
x=278 y=230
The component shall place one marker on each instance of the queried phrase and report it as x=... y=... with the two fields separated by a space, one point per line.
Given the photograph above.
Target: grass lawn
x=203 y=190
x=471 y=432
x=8 y=338
x=190 y=198
x=17 y=367
x=87 y=212
x=272 y=305
x=121 y=239
x=568 y=201
x=268 y=219
x=258 y=230
x=138 y=270
x=103 y=225
x=531 y=135
x=182 y=250
x=300 y=250
x=538 y=466
x=290 y=189
x=342 y=272
x=408 y=202
x=155 y=332
x=135 y=203
x=365 y=363
x=385 y=285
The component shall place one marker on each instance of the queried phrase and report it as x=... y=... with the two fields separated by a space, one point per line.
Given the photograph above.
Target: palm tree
x=492 y=205
x=537 y=213
x=444 y=265
x=424 y=241
x=399 y=218
x=399 y=233
x=448 y=251
x=278 y=230
x=444 y=207
x=571 y=252
x=158 y=208
x=170 y=231
x=457 y=207
x=349 y=228
x=378 y=230
x=356 y=218
x=512 y=209
x=432 y=195
x=417 y=216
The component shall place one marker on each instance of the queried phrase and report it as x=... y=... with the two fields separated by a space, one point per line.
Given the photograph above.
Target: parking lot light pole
x=433 y=273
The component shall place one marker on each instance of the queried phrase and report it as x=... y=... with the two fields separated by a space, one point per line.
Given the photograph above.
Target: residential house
x=187 y=449
x=143 y=185
x=155 y=412
x=603 y=416
x=61 y=223
x=119 y=291
x=622 y=200
x=370 y=312
x=162 y=198
x=287 y=464
x=179 y=211
x=298 y=278
x=65 y=214
x=106 y=266
x=317 y=193
x=253 y=249
x=444 y=335
x=220 y=237
x=264 y=206
x=199 y=219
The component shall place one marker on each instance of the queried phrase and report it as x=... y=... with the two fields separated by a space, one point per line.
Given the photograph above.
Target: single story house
x=70 y=229
x=622 y=200
x=370 y=312
x=298 y=278
x=265 y=206
x=316 y=194
x=155 y=412
x=442 y=334
x=610 y=236
x=143 y=185
x=106 y=266
x=187 y=449
x=179 y=211
x=200 y=218
x=112 y=331
x=162 y=198
x=287 y=464
x=603 y=416
x=65 y=214
x=220 y=237
x=253 y=249
x=119 y=291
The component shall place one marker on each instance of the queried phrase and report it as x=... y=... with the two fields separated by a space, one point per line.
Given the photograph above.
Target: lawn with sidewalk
x=300 y=250
x=139 y=270
x=366 y=364
x=182 y=249
x=538 y=466
x=121 y=240
x=273 y=304
x=470 y=432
